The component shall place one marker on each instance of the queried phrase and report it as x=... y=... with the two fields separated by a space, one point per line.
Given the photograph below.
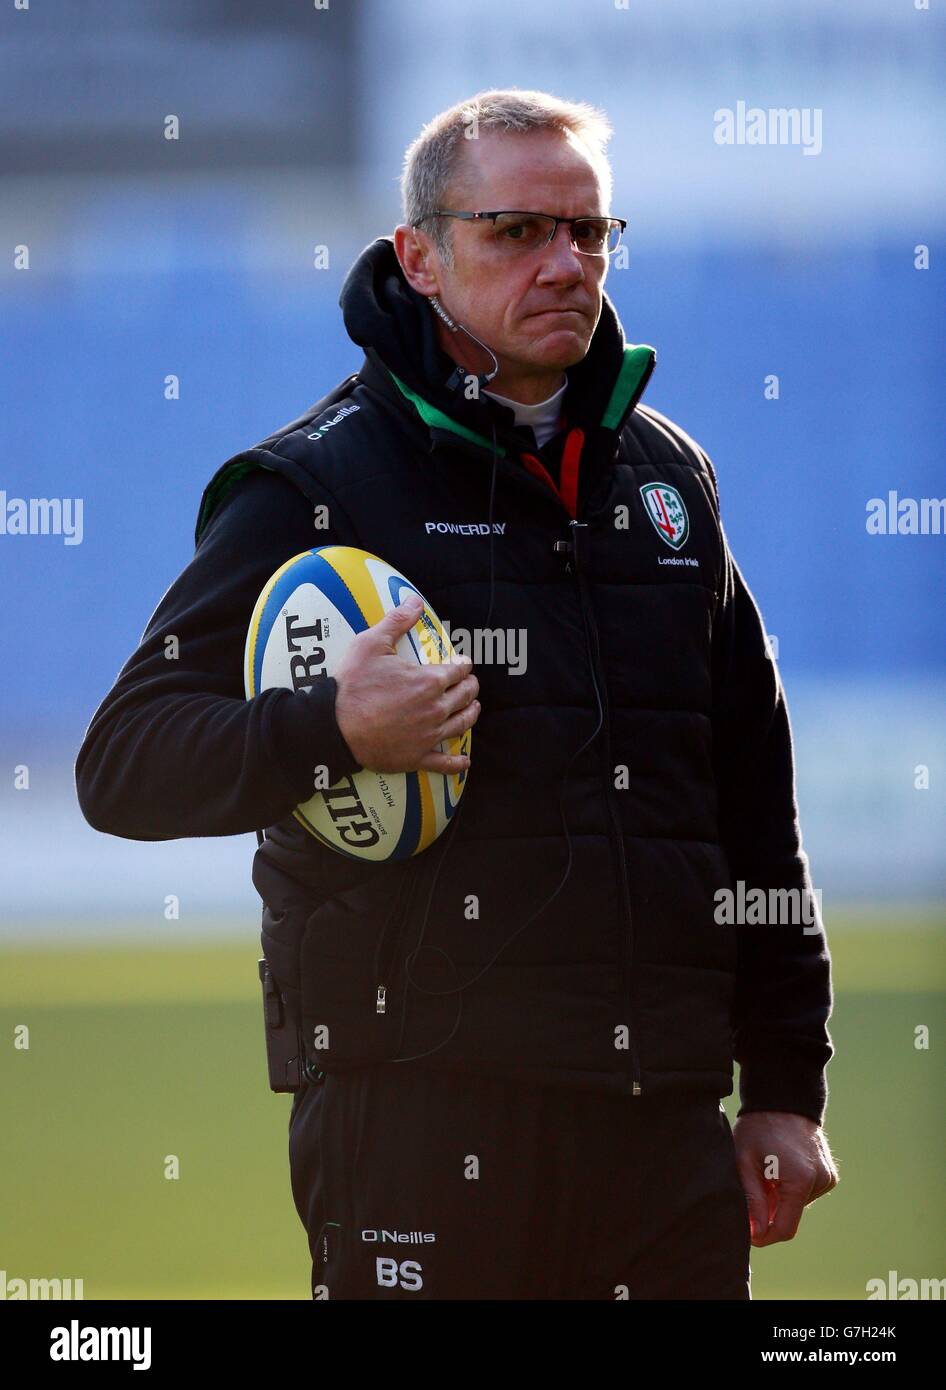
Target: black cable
x=412 y=955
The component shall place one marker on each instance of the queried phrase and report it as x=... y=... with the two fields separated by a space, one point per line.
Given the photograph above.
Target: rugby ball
x=308 y=612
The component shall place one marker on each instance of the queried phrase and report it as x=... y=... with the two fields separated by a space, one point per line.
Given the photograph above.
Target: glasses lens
x=522 y=231
x=596 y=236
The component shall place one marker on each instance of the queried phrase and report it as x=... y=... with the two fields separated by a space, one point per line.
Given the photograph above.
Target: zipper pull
x=382 y=998
x=570 y=548
x=566 y=548
x=577 y=548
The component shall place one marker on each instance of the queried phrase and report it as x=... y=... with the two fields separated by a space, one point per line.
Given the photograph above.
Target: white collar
x=542 y=418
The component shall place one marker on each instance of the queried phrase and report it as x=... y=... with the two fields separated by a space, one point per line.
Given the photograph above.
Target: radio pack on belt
x=284 y=1051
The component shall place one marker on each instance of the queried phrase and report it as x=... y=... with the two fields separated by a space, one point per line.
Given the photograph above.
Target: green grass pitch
x=137 y=1052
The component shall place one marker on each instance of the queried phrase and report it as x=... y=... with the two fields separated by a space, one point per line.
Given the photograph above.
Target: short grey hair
x=431 y=160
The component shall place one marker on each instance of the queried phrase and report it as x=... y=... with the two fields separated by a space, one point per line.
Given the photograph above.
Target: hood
x=394 y=326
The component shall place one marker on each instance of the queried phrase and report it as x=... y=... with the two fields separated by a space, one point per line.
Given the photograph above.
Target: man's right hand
x=392 y=714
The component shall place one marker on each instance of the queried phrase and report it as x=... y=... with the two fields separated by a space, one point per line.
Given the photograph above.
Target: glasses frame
x=521 y=212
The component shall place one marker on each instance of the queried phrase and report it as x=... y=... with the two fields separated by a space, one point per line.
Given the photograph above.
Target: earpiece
x=458 y=376
x=438 y=309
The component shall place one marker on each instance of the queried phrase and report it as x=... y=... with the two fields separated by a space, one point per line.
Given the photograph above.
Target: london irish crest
x=665 y=507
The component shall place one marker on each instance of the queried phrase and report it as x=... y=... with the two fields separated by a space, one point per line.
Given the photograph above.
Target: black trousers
x=431 y=1185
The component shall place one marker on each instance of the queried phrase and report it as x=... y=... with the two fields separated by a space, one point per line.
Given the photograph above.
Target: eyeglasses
x=517 y=233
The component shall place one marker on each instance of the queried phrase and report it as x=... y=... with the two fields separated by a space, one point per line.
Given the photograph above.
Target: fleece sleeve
x=783 y=989
x=175 y=749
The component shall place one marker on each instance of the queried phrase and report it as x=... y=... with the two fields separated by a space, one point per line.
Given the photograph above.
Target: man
x=533 y=1110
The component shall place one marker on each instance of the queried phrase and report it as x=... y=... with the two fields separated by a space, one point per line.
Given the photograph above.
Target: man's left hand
x=784 y=1163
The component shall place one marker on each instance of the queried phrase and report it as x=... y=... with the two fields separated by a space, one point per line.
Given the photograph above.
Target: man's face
x=536 y=309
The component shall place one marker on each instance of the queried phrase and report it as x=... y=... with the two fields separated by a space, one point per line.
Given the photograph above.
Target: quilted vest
x=562 y=930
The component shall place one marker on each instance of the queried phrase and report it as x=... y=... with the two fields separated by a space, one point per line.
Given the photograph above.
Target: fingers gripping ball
x=307 y=614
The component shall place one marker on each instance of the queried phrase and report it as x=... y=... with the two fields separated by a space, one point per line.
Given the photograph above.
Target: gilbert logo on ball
x=304 y=619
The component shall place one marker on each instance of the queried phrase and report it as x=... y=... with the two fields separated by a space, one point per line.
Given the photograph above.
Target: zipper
x=538 y=480
x=594 y=652
x=395 y=930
